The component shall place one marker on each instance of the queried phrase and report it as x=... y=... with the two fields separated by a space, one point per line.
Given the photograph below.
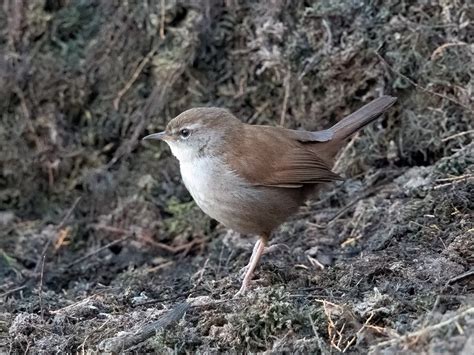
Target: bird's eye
x=184 y=133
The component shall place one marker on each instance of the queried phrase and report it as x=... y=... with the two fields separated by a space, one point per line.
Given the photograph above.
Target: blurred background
x=91 y=214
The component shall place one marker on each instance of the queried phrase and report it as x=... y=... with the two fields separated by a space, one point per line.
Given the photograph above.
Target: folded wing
x=282 y=160
x=290 y=158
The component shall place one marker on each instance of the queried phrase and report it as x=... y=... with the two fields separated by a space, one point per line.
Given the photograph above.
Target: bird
x=252 y=178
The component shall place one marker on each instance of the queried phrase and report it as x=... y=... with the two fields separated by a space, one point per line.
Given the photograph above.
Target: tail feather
x=362 y=117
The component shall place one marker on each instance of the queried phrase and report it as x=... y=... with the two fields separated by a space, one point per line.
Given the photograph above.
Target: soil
x=102 y=248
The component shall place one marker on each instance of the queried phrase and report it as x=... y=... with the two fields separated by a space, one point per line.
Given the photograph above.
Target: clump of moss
x=185 y=216
x=265 y=317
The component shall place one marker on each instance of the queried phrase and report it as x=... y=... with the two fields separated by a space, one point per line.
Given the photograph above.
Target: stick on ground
x=127 y=340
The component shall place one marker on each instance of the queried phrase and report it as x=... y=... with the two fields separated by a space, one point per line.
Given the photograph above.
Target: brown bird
x=251 y=178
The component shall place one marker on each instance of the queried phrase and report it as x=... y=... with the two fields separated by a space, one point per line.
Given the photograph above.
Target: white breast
x=206 y=178
x=216 y=189
x=226 y=197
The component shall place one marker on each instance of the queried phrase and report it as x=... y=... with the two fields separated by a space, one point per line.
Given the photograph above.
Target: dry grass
x=98 y=235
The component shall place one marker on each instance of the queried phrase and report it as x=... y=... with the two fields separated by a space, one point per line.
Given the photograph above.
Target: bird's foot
x=242 y=291
x=250 y=268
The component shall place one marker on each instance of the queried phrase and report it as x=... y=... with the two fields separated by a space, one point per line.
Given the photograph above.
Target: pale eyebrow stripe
x=193 y=126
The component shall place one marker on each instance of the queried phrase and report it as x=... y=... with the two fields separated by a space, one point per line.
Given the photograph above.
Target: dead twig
x=319 y=341
x=455 y=178
x=350 y=240
x=439 y=51
x=163 y=17
x=349 y=343
x=157 y=99
x=328 y=40
x=175 y=297
x=460 y=277
x=27 y=116
x=13 y=290
x=62 y=234
x=460 y=134
x=286 y=84
x=422 y=88
x=425 y=330
x=69 y=213
x=42 y=258
x=167 y=76
x=111 y=229
x=367 y=193
x=61 y=238
x=344 y=151
x=160 y=267
x=40 y=291
x=198 y=275
x=134 y=77
x=74 y=306
x=335 y=334
x=315 y=262
x=184 y=248
x=87 y=256
x=454 y=182
x=125 y=341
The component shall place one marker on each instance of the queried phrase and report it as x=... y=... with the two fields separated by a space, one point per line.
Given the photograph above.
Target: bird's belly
x=226 y=197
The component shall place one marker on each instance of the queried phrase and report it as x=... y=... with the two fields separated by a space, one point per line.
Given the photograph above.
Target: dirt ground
x=102 y=248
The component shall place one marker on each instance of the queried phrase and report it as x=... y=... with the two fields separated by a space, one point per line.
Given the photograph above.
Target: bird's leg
x=268 y=249
x=254 y=259
x=243 y=271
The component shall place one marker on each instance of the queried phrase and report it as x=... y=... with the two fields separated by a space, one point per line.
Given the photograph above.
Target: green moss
x=184 y=216
x=8 y=264
x=266 y=317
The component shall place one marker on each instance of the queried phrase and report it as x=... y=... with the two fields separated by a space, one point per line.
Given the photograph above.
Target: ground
x=102 y=248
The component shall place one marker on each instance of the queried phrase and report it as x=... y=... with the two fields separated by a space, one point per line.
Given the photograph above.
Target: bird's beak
x=156 y=136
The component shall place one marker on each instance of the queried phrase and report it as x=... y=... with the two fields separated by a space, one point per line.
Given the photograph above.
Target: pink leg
x=254 y=259
x=243 y=271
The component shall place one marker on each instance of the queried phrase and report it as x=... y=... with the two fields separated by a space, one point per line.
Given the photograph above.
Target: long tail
x=328 y=149
x=362 y=117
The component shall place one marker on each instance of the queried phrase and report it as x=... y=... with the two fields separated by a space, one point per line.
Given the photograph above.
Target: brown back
x=293 y=159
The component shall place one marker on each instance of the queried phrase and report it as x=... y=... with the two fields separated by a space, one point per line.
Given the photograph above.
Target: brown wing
x=270 y=156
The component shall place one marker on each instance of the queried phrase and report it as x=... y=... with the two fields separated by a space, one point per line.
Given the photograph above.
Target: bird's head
x=198 y=132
